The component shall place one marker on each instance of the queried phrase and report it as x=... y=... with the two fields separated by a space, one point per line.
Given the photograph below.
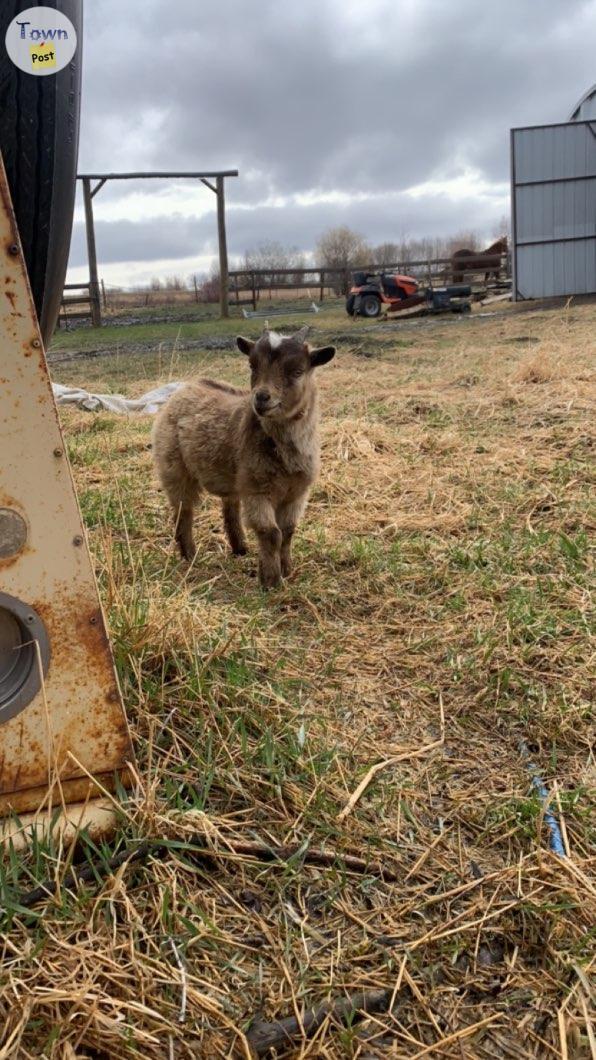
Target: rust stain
x=17 y=261
x=85 y=717
x=8 y=561
x=97 y=734
x=7 y=501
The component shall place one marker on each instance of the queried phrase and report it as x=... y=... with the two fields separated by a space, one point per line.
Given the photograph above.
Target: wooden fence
x=87 y=304
x=247 y=285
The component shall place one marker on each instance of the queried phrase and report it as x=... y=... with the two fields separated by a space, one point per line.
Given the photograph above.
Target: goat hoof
x=271 y=584
x=239 y=551
x=187 y=554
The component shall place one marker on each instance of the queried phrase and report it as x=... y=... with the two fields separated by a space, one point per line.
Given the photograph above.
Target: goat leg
x=286 y=555
x=233 y=526
x=287 y=519
x=261 y=518
x=184 y=536
x=270 y=558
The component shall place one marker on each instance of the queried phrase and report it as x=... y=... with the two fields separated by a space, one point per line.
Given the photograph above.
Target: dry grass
x=438 y=616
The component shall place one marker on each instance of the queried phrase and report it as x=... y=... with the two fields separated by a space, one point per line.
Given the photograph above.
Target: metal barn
x=553 y=205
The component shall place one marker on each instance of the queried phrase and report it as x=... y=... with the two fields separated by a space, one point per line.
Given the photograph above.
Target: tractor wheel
x=39 y=139
x=370 y=305
x=350 y=300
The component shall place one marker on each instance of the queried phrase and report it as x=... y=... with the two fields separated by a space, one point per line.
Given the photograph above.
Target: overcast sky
x=391 y=116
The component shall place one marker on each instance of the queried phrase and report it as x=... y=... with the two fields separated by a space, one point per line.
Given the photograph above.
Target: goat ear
x=321 y=356
x=244 y=345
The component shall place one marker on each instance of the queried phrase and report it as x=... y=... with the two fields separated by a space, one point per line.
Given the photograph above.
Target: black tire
x=350 y=304
x=370 y=305
x=39 y=140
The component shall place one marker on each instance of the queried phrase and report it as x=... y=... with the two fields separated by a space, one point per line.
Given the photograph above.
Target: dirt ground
x=378 y=721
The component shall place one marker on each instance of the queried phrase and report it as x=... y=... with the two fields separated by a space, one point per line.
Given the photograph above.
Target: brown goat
x=258 y=449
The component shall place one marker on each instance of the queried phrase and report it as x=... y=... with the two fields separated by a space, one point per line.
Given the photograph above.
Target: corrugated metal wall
x=553 y=194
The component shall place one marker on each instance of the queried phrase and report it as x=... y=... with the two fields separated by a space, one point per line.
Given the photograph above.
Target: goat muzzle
x=262 y=402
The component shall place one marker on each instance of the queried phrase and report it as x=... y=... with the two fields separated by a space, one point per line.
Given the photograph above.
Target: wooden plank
x=506 y=297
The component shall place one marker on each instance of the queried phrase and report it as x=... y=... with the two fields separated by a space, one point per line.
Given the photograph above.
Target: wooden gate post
x=223 y=249
x=92 y=254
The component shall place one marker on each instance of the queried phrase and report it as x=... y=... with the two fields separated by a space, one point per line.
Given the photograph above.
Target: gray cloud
x=326 y=95
x=184 y=237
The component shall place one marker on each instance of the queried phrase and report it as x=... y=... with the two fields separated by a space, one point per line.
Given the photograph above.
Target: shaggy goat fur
x=257 y=450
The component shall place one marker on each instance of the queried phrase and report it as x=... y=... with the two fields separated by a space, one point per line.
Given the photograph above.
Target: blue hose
x=556 y=839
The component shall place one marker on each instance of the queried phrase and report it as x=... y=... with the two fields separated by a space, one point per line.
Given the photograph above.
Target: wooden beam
x=92 y=254
x=158 y=175
x=223 y=249
x=98 y=186
x=217 y=188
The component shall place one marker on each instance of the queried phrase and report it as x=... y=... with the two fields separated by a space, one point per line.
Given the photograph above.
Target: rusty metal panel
x=75 y=725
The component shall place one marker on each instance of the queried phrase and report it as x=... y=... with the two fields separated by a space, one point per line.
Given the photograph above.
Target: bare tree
x=268 y=255
x=272 y=257
x=208 y=286
x=386 y=254
x=502 y=228
x=342 y=249
x=174 y=283
x=463 y=241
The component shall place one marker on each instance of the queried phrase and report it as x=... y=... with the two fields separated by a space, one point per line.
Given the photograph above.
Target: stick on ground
x=196 y=844
x=265 y=1036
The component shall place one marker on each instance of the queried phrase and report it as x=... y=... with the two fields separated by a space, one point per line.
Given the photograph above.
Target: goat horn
x=300 y=336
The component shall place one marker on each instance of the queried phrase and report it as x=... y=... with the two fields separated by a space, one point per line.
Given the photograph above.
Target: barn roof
x=585 y=108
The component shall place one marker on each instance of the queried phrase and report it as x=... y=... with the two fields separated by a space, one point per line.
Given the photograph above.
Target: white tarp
x=149 y=403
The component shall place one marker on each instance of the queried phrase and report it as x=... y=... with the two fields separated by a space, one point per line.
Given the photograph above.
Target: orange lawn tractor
x=373 y=293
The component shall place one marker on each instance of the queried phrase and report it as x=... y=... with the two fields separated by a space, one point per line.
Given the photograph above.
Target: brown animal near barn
x=489 y=260
x=259 y=450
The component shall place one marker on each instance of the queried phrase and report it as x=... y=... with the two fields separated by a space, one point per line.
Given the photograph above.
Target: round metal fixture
x=20 y=677
x=13 y=533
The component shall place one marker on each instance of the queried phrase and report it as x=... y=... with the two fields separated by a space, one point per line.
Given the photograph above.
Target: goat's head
x=281 y=369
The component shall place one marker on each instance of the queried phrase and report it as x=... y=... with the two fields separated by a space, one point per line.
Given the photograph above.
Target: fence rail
x=90 y=300
x=247 y=286
x=253 y=282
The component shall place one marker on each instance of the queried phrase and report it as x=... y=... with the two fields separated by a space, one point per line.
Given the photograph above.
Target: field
x=388 y=707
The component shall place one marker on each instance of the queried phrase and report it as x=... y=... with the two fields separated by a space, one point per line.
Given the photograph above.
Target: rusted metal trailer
x=64 y=740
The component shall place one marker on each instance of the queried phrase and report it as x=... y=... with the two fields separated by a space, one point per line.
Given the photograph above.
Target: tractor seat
x=390 y=284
